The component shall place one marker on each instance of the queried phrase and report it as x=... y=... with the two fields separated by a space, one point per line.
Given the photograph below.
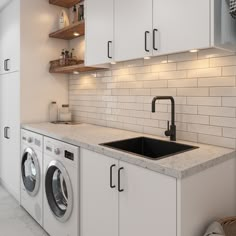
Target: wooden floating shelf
x=74 y=69
x=68 y=32
x=65 y=3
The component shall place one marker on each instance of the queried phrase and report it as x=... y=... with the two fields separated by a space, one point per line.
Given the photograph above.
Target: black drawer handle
x=119 y=188
x=108 y=49
x=6 y=64
x=5 y=132
x=111 y=174
x=154 y=39
x=145 y=40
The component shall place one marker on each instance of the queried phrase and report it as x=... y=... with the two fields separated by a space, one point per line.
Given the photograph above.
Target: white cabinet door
x=182 y=25
x=99 y=202
x=133 y=29
x=10 y=38
x=99 y=32
x=10 y=132
x=147 y=204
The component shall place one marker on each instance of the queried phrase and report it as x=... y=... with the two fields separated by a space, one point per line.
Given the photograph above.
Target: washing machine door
x=59 y=191
x=30 y=172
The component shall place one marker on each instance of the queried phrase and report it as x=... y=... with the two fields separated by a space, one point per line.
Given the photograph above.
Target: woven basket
x=229 y=225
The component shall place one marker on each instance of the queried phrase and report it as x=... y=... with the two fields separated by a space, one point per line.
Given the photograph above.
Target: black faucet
x=171 y=130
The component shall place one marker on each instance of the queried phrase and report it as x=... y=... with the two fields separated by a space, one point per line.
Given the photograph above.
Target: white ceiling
x=3 y=3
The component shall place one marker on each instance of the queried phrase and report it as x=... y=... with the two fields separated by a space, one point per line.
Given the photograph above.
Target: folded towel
x=215 y=229
x=232 y=8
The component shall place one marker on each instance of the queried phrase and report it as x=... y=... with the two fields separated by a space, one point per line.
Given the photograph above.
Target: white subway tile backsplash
x=216 y=82
x=215 y=140
x=183 y=83
x=196 y=64
x=207 y=72
x=198 y=92
x=173 y=75
x=216 y=111
x=205 y=129
x=203 y=85
x=204 y=101
x=223 y=91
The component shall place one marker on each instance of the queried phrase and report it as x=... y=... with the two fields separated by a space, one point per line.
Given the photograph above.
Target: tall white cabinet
x=10 y=96
x=117 y=198
x=25 y=84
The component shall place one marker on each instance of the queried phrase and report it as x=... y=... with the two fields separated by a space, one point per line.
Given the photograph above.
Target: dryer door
x=59 y=191
x=30 y=171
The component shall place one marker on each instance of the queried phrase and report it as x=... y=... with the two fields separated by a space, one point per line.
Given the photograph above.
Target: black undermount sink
x=149 y=148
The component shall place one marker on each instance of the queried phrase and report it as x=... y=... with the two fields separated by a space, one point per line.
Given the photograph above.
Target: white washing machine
x=61 y=195
x=31 y=174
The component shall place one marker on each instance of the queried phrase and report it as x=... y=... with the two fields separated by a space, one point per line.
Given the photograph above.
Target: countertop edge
x=129 y=158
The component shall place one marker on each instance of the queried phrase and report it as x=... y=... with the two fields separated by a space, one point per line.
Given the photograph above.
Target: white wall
x=39 y=87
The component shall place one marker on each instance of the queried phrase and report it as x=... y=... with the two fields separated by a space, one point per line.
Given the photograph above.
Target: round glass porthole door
x=59 y=191
x=30 y=172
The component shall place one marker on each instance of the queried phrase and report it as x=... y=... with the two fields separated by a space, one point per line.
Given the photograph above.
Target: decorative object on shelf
x=53 y=112
x=81 y=12
x=62 y=58
x=232 y=8
x=74 y=15
x=63 y=20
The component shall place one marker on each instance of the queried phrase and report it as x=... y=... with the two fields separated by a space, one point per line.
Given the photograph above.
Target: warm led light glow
x=164 y=62
x=94 y=75
x=194 y=50
x=147 y=58
x=76 y=34
x=113 y=62
x=75 y=72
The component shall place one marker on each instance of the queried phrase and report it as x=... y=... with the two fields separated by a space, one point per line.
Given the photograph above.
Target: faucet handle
x=168 y=125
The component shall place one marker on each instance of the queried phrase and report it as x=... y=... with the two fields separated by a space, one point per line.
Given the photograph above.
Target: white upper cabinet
x=10 y=38
x=180 y=25
x=133 y=29
x=156 y=27
x=99 y=32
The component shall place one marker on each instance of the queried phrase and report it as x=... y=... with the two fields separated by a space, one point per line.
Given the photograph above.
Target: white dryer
x=31 y=174
x=61 y=195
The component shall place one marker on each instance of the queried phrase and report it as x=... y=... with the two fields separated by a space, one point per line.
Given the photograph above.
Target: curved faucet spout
x=171 y=131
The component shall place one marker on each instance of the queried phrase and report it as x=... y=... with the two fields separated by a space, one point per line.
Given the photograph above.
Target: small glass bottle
x=74 y=14
x=65 y=114
x=53 y=112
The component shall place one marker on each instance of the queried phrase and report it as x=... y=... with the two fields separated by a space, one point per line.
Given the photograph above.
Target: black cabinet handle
x=111 y=174
x=5 y=132
x=6 y=64
x=108 y=49
x=145 y=41
x=119 y=189
x=154 y=39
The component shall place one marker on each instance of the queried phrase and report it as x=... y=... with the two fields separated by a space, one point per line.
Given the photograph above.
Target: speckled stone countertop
x=90 y=136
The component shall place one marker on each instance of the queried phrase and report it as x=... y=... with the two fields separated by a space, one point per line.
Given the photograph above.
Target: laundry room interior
x=117 y=118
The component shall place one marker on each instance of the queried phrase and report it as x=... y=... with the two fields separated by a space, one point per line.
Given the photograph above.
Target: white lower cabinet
x=122 y=199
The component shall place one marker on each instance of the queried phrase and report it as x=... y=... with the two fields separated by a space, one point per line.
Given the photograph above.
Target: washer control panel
x=31 y=139
x=61 y=150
